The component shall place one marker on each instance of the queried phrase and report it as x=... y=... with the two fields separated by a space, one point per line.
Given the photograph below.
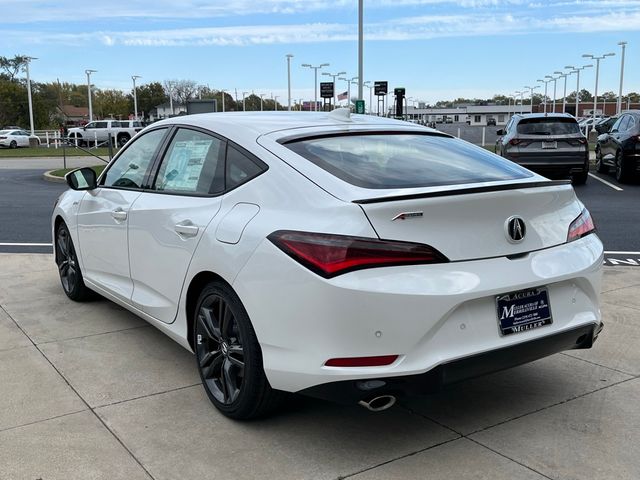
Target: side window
x=101 y=125
x=129 y=169
x=240 y=168
x=618 y=124
x=631 y=125
x=193 y=164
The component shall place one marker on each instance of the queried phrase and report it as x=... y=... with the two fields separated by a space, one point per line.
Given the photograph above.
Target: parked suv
x=604 y=124
x=101 y=130
x=549 y=144
x=620 y=147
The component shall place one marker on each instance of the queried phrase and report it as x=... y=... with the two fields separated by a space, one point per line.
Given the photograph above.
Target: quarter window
x=193 y=164
x=130 y=167
x=240 y=168
x=624 y=123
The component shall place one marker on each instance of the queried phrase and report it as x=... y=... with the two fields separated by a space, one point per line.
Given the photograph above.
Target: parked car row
x=619 y=147
x=14 y=138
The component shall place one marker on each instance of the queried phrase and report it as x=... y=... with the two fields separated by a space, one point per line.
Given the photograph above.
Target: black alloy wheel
x=13 y=144
x=228 y=356
x=122 y=140
x=68 y=267
x=600 y=166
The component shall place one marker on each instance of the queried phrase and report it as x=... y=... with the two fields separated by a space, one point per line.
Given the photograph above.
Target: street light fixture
x=546 y=82
x=289 y=57
x=26 y=67
x=261 y=97
x=521 y=93
x=619 y=107
x=555 y=79
x=577 y=71
x=334 y=84
x=135 y=97
x=349 y=81
x=595 y=93
x=275 y=102
x=222 y=91
x=564 y=96
x=315 y=84
x=89 y=72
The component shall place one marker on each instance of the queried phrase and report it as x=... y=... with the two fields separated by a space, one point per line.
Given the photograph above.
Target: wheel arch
x=56 y=223
x=193 y=292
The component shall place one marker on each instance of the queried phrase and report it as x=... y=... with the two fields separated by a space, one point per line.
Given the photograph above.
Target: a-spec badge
x=407 y=215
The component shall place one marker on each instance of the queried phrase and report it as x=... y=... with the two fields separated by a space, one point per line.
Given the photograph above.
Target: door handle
x=186 y=229
x=119 y=214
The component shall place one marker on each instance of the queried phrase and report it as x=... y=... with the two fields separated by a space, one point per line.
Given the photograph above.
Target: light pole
x=135 y=97
x=619 y=107
x=89 y=72
x=289 y=57
x=222 y=93
x=554 y=90
x=370 y=87
x=545 y=92
x=275 y=103
x=26 y=67
x=564 y=97
x=244 y=105
x=521 y=93
x=315 y=84
x=334 y=84
x=577 y=71
x=595 y=93
x=531 y=89
x=261 y=97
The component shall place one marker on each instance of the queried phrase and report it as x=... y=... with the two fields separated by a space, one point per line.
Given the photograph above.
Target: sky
x=436 y=49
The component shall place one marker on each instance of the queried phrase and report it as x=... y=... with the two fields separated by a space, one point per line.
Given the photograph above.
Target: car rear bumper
x=552 y=164
x=428 y=315
x=353 y=391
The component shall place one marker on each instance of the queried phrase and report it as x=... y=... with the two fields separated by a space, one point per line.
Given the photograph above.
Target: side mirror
x=500 y=132
x=82 y=179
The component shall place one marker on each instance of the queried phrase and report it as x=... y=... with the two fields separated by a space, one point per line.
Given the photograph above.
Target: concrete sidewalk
x=91 y=391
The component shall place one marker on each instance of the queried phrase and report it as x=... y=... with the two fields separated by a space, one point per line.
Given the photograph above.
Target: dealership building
x=471 y=114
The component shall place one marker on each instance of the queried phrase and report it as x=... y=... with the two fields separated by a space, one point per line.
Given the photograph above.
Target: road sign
x=399 y=91
x=380 y=88
x=360 y=106
x=326 y=89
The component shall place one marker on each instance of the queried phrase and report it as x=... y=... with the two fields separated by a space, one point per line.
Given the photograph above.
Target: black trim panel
x=465 y=191
x=352 y=391
x=346 y=133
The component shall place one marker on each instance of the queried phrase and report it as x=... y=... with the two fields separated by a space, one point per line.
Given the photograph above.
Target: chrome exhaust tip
x=378 y=404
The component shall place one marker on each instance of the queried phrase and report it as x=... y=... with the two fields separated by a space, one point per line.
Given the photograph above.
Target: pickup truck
x=101 y=130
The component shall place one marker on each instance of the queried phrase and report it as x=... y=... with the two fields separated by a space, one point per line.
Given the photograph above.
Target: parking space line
x=615 y=187
x=26 y=244
x=621 y=253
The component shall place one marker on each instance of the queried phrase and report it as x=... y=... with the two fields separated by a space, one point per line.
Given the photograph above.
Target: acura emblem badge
x=516 y=229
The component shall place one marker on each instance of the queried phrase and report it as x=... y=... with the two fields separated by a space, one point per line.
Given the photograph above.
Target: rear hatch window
x=548 y=126
x=388 y=160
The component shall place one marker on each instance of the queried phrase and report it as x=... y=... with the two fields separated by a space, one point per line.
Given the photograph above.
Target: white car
x=14 y=138
x=347 y=257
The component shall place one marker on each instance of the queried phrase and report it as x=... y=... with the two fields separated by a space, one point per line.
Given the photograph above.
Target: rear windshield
x=548 y=126
x=405 y=160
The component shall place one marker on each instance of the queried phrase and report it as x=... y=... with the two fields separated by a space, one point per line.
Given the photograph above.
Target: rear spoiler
x=465 y=191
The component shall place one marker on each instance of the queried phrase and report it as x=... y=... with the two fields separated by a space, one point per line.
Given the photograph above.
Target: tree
x=181 y=90
x=149 y=96
x=12 y=66
x=111 y=103
x=608 y=97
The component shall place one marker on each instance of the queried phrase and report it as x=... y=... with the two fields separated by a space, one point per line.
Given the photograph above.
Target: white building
x=472 y=114
x=164 y=111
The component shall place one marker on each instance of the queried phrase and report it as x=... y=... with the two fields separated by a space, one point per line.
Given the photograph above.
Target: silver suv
x=549 y=144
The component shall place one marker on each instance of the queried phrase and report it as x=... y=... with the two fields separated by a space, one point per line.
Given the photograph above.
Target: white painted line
x=622 y=253
x=26 y=244
x=615 y=187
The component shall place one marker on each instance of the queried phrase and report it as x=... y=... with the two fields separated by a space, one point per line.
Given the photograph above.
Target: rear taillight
x=581 y=226
x=514 y=141
x=330 y=255
x=3 y=138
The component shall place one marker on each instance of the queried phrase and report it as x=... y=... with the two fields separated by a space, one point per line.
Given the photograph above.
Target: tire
x=68 y=267
x=13 y=144
x=123 y=139
x=600 y=166
x=228 y=356
x=622 y=170
x=580 y=178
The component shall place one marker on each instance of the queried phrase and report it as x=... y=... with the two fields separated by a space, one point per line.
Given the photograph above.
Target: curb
x=51 y=178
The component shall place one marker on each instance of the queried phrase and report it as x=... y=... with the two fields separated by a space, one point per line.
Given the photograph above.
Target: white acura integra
x=352 y=258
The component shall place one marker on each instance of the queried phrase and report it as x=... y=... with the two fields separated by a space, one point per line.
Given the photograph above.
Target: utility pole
x=135 y=96
x=360 y=48
x=89 y=72
x=619 y=106
x=27 y=62
x=289 y=57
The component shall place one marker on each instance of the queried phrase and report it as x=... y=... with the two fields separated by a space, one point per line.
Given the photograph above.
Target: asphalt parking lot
x=91 y=391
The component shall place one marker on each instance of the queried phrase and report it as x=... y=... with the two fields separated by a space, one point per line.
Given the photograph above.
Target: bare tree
x=12 y=66
x=180 y=90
